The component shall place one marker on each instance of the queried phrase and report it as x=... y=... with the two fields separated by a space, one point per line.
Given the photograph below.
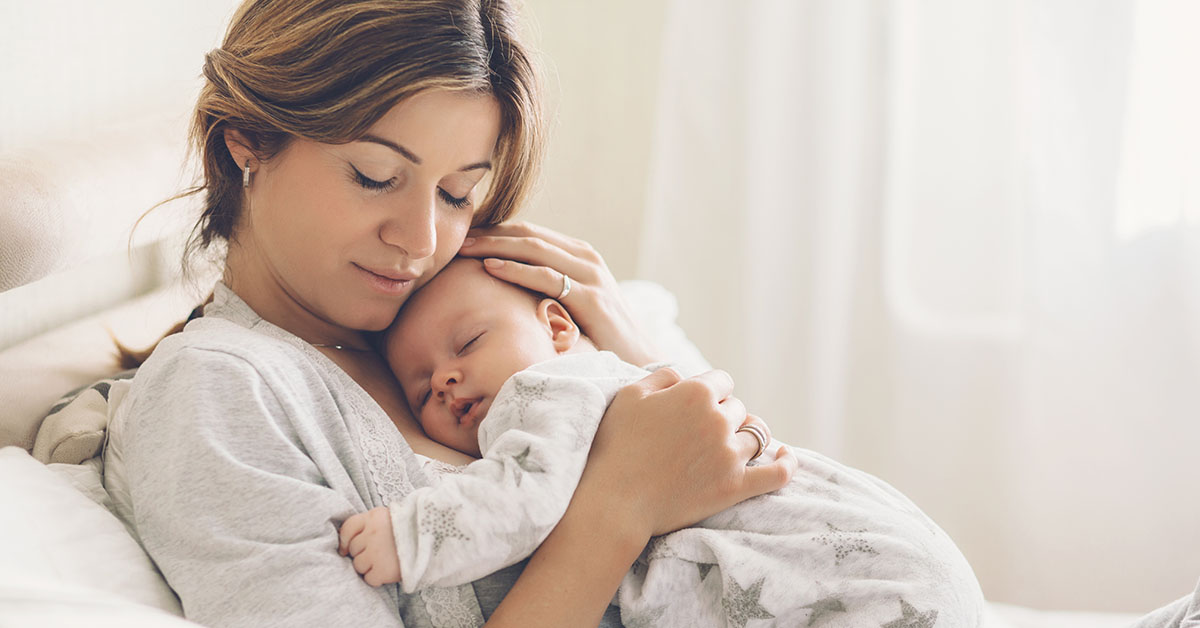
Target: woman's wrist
x=572 y=577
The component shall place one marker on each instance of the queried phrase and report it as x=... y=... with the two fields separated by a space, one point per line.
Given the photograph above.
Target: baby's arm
x=501 y=507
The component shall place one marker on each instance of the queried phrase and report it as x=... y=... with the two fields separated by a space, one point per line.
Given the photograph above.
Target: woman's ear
x=564 y=333
x=239 y=149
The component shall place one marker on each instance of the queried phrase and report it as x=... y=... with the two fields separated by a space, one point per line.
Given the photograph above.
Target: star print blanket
x=836 y=547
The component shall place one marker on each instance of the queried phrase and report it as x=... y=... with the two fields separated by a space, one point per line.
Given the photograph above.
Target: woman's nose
x=413 y=227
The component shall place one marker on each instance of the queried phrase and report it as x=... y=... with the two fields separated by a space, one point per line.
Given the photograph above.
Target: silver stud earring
x=246 y=175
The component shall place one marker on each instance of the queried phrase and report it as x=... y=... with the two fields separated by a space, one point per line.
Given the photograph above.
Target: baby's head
x=460 y=337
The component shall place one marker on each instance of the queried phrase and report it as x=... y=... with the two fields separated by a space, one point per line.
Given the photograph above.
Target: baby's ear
x=564 y=333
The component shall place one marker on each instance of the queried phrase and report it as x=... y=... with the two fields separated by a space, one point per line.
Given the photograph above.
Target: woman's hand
x=537 y=258
x=668 y=453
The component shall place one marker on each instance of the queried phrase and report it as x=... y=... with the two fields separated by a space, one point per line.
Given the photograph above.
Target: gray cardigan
x=235 y=456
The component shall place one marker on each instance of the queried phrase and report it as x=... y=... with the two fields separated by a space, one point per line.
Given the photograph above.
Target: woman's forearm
x=634 y=487
x=571 y=579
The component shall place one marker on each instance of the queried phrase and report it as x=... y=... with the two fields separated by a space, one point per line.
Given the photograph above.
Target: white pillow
x=656 y=310
x=31 y=601
x=39 y=371
x=54 y=533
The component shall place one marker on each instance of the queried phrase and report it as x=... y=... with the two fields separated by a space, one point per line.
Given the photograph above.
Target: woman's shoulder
x=225 y=344
x=216 y=364
x=229 y=331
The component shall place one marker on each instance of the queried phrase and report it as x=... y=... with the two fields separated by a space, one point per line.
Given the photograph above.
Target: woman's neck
x=270 y=298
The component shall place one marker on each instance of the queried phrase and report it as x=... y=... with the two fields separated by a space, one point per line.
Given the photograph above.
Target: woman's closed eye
x=455 y=202
x=385 y=186
x=371 y=184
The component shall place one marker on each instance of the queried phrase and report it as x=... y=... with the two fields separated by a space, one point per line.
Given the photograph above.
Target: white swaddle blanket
x=836 y=547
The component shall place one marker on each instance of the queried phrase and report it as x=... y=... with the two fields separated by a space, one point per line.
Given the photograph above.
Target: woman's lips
x=387 y=282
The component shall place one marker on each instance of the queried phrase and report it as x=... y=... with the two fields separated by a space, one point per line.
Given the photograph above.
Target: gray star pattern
x=704 y=569
x=525 y=394
x=639 y=568
x=653 y=619
x=844 y=543
x=527 y=465
x=658 y=547
x=523 y=463
x=439 y=522
x=584 y=422
x=741 y=605
x=823 y=607
x=911 y=618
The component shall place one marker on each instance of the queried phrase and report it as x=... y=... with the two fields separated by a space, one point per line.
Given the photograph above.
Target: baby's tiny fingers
x=362 y=563
x=349 y=530
x=357 y=545
x=371 y=578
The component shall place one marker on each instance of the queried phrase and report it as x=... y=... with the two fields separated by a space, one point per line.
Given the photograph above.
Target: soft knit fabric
x=235 y=456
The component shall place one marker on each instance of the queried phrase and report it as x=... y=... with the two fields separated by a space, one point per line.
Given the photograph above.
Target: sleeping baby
x=500 y=373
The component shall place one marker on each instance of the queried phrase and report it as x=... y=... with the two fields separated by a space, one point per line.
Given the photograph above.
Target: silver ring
x=566 y=289
x=758 y=435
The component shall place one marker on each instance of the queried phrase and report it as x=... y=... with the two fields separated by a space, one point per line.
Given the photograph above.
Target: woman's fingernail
x=468 y=242
x=492 y=262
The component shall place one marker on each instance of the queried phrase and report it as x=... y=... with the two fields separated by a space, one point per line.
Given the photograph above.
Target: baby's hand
x=367 y=537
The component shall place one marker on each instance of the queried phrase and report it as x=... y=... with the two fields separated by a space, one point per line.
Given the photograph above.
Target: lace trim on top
x=382 y=447
x=436 y=469
x=381 y=443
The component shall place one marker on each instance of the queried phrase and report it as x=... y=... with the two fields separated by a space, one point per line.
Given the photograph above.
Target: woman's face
x=346 y=232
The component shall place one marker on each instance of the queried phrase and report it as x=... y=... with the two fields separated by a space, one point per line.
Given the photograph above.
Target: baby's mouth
x=465 y=410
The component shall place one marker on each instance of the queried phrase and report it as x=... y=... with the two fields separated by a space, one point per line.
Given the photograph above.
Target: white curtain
x=956 y=243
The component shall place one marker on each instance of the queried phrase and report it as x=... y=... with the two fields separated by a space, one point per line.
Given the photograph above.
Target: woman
x=344 y=144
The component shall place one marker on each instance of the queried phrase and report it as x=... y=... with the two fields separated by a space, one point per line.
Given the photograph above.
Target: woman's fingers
x=538 y=258
x=541 y=279
x=749 y=440
x=734 y=412
x=530 y=250
x=519 y=229
x=719 y=384
x=771 y=476
x=660 y=379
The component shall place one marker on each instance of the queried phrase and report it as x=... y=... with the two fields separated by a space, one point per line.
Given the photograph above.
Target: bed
x=70 y=280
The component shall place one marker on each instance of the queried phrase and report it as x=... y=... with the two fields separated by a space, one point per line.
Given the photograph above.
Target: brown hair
x=326 y=70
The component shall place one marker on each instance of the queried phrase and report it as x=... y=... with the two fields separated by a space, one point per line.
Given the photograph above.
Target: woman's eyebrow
x=407 y=154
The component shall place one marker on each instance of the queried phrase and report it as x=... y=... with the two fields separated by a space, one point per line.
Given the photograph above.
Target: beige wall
x=63 y=76
x=602 y=61
x=68 y=66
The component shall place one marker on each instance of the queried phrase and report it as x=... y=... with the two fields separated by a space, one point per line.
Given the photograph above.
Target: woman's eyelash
x=372 y=184
x=383 y=186
x=457 y=203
